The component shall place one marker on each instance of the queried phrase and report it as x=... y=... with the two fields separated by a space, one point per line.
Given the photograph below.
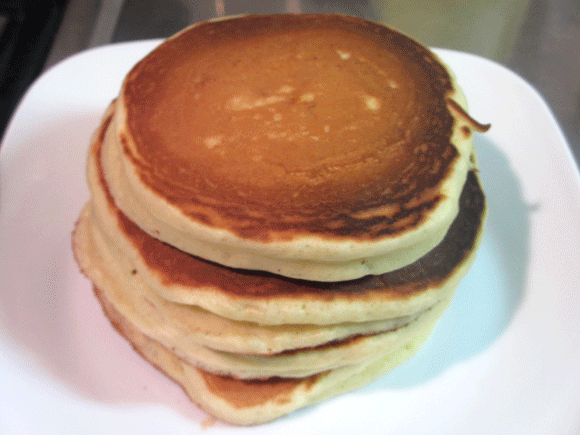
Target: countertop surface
x=537 y=39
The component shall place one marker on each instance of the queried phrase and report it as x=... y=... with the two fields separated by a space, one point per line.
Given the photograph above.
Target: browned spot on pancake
x=275 y=127
x=466 y=131
x=244 y=393
x=174 y=266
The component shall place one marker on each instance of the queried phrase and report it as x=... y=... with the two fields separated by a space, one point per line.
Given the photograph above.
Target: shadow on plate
x=489 y=296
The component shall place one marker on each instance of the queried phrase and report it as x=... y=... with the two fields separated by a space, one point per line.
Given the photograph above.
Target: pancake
x=281 y=208
x=251 y=402
x=324 y=148
x=270 y=299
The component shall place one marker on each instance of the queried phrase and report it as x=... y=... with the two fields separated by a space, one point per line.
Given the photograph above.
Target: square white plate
x=504 y=359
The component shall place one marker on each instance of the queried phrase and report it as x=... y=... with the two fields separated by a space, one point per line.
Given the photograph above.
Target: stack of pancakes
x=281 y=208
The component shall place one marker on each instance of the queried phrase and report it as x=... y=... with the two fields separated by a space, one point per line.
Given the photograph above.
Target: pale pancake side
x=286 y=246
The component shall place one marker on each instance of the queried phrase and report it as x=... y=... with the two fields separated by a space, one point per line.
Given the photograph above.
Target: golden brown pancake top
x=275 y=126
x=174 y=266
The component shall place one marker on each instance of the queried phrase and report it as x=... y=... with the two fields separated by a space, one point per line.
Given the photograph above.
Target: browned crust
x=318 y=188
x=247 y=393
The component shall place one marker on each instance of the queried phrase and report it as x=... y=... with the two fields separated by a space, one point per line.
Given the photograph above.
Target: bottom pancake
x=250 y=402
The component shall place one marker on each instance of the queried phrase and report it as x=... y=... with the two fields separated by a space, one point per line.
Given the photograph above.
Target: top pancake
x=304 y=139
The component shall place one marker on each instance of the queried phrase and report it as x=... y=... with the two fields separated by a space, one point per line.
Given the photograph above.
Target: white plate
x=505 y=358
